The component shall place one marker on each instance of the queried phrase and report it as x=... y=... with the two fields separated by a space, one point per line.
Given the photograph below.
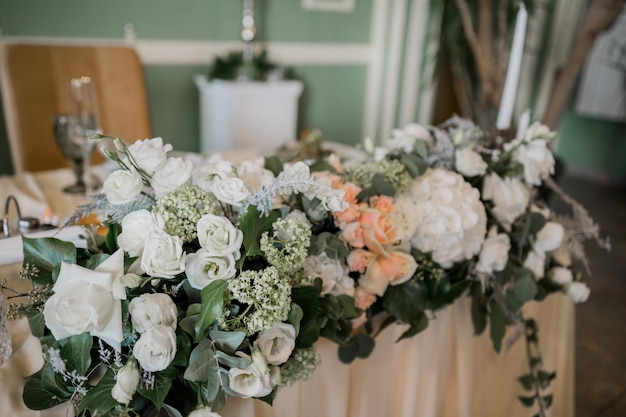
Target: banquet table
x=444 y=371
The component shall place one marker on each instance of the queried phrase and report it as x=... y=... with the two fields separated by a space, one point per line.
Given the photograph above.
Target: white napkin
x=11 y=248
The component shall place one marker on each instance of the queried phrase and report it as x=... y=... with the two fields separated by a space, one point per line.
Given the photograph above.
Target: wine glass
x=73 y=131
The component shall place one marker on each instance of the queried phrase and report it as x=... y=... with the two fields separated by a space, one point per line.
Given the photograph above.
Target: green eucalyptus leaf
x=201 y=364
x=188 y=324
x=405 y=301
x=382 y=186
x=227 y=341
x=183 y=346
x=162 y=385
x=497 y=322
x=527 y=401
x=348 y=309
x=295 y=317
x=526 y=381
x=98 y=400
x=220 y=399
x=77 y=352
x=347 y=352
x=308 y=300
x=212 y=305
x=96 y=260
x=537 y=221
x=232 y=361
x=171 y=411
x=479 y=313
x=421 y=148
x=364 y=345
x=274 y=164
x=419 y=324
x=47 y=253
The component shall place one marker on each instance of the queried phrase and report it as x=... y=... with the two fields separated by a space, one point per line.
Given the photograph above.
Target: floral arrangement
x=216 y=279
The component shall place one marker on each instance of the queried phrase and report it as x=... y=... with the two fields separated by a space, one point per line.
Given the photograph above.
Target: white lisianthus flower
x=150 y=154
x=84 y=301
x=203 y=268
x=175 y=173
x=136 y=227
x=203 y=412
x=126 y=382
x=230 y=190
x=218 y=235
x=122 y=186
x=149 y=310
x=163 y=255
x=254 y=175
x=156 y=348
x=494 y=253
x=469 y=163
x=254 y=380
x=549 y=238
x=215 y=168
x=536 y=262
x=333 y=272
x=510 y=198
x=578 y=292
x=537 y=160
x=451 y=219
x=277 y=343
x=561 y=276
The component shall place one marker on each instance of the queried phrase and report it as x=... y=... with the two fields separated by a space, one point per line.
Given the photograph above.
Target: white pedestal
x=240 y=114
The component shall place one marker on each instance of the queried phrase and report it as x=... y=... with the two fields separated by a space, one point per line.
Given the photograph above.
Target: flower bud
x=126 y=382
x=259 y=361
x=130 y=280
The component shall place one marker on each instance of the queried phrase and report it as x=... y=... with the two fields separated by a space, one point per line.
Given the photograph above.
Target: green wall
x=333 y=95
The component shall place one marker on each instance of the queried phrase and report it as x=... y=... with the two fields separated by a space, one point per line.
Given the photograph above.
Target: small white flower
x=149 y=310
x=218 y=235
x=163 y=255
x=173 y=174
x=510 y=198
x=122 y=186
x=561 y=276
x=230 y=190
x=203 y=268
x=277 y=343
x=136 y=227
x=150 y=154
x=494 y=253
x=156 y=348
x=469 y=163
x=578 y=292
x=536 y=262
x=126 y=382
x=549 y=238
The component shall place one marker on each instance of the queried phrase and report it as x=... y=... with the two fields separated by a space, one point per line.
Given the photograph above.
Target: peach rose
x=349 y=215
x=359 y=259
x=394 y=268
x=383 y=203
x=352 y=233
x=352 y=190
x=378 y=230
x=363 y=299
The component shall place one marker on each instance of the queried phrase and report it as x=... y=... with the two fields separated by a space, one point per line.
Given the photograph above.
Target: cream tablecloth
x=444 y=371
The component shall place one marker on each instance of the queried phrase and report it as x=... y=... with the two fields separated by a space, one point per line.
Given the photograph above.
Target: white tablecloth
x=444 y=371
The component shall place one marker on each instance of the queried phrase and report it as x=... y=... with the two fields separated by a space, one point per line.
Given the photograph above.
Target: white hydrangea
x=333 y=272
x=451 y=218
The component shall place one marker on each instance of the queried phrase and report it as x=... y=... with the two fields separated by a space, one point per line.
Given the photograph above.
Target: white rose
x=495 y=252
x=163 y=255
x=561 y=276
x=230 y=190
x=402 y=216
x=211 y=170
x=451 y=219
x=277 y=343
x=203 y=412
x=537 y=160
x=150 y=154
x=122 y=186
x=469 y=163
x=126 y=382
x=549 y=238
x=203 y=268
x=536 y=262
x=404 y=139
x=149 y=310
x=136 y=227
x=84 y=301
x=578 y=292
x=298 y=215
x=156 y=348
x=254 y=175
x=510 y=198
x=218 y=236
x=175 y=173
x=333 y=272
x=253 y=381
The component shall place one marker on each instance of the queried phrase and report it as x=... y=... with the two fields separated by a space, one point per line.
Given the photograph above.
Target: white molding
x=374 y=80
x=190 y=52
x=394 y=60
x=413 y=61
x=339 y=6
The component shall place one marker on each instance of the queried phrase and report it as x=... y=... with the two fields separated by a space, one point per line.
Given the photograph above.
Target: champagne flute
x=73 y=131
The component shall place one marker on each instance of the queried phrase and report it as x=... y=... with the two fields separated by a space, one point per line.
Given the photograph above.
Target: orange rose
x=378 y=230
x=352 y=190
x=363 y=299
x=359 y=259
x=353 y=234
x=382 y=203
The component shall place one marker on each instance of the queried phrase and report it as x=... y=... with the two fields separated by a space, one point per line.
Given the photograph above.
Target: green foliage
x=48 y=254
x=380 y=186
x=307 y=298
x=253 y=225
x=497 y=325
x=45 y=389
x=360 y=346
x=231 y=66
x=98 y=400
x=212 y=306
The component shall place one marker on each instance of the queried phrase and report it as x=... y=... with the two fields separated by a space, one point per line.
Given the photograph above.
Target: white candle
x=522 y=123
x=512 y=74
